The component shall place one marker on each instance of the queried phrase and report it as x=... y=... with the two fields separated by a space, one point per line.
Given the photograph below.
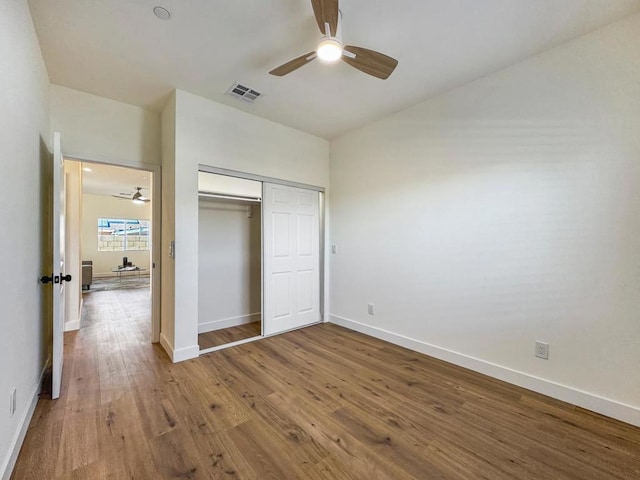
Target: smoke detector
x=162 y=13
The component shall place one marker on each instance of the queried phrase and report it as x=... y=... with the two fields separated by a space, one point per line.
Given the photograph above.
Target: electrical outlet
x=334 y=249
x=542 y=350
x=370 y=309
x=12 y=401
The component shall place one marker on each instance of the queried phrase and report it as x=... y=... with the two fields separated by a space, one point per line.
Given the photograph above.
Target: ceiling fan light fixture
x=329 y=50
x=137 y=198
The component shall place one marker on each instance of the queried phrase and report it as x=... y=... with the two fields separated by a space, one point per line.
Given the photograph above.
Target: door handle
x=65 y=278
x=50 y=279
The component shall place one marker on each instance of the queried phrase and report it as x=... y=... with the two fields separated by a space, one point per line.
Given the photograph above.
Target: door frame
x=156 y=229
x=321 y=244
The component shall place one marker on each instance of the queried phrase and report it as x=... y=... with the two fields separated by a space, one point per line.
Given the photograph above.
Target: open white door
x=291 y=226
x=58 y=276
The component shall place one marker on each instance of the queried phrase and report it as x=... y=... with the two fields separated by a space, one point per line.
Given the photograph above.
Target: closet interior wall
x=229 y=271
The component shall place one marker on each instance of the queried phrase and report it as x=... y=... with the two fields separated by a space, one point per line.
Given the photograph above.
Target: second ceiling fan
x=331 y=49
x=136 y=198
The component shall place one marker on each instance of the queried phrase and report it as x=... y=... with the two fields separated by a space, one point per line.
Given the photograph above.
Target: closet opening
x=230 y=260
x=260 y=257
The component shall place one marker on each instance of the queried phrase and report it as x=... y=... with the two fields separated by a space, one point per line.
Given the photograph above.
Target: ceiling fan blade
x=120 y=196
x=326 y=11
x=293 y=64
x=369 y=61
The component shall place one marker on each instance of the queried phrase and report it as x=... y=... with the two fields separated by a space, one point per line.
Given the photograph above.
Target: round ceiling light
x=329 y=50
x=162 y=13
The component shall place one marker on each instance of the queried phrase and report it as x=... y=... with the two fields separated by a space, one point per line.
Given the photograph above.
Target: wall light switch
x=334 y=249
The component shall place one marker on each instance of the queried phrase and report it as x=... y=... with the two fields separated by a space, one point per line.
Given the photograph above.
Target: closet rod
x=229 y=197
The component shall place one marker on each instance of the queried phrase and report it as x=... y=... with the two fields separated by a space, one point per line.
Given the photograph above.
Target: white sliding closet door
x=291 y=224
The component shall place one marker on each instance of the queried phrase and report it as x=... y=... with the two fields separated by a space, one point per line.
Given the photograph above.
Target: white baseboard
x=180 y=354
x=186 y=353
x=16 y=443
x=71 y=326
x=205 y=327
x=75 y=324
x=166 y=345
x=605 y=406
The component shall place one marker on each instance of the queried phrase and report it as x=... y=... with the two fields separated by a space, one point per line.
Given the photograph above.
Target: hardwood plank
x=176 y=456
x=268 y=458
x=229 y=335
x=338 y=440
x=332 y=468
x=123 y=444
x=318 y=403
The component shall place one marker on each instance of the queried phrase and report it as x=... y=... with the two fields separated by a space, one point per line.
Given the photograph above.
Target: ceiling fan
x=331 y=49
x=136 y=198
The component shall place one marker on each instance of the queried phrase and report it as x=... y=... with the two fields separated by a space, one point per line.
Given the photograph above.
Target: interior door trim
x=258 y=178
x=156 y=219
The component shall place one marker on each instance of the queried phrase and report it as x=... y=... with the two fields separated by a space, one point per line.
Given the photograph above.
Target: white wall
x=72 y=225
x=213 y=134
x=229 y=267
x=226 y=185
x=101 y=206
x=96 y=128
x=26 y=166
x=504 y=212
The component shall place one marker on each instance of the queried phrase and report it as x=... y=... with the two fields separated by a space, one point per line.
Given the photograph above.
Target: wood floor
x=228 y=335
x=318 y=403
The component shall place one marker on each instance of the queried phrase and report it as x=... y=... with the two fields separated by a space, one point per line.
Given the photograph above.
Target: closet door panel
x=305 y=291
x=291 y=246
x=281 y=295
x=281 y=235
x=305 y=235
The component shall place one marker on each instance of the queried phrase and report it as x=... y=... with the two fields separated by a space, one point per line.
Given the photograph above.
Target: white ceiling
x=111 y=180
x=118 y=49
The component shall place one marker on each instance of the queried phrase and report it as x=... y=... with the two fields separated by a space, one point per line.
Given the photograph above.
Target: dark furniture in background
x=87 y=273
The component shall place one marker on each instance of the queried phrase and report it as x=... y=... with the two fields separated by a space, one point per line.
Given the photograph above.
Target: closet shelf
x=229 y=197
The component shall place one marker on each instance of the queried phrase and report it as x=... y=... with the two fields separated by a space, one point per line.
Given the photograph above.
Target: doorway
x=112 y=228
x=229 y=260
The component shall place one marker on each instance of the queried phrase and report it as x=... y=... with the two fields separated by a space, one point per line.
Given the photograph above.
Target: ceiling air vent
x=245 y=94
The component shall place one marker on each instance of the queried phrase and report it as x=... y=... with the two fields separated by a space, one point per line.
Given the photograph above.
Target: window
x=119 y=234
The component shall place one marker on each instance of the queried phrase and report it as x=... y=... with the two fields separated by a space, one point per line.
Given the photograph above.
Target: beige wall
x=503 y=213
x=96 y=206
